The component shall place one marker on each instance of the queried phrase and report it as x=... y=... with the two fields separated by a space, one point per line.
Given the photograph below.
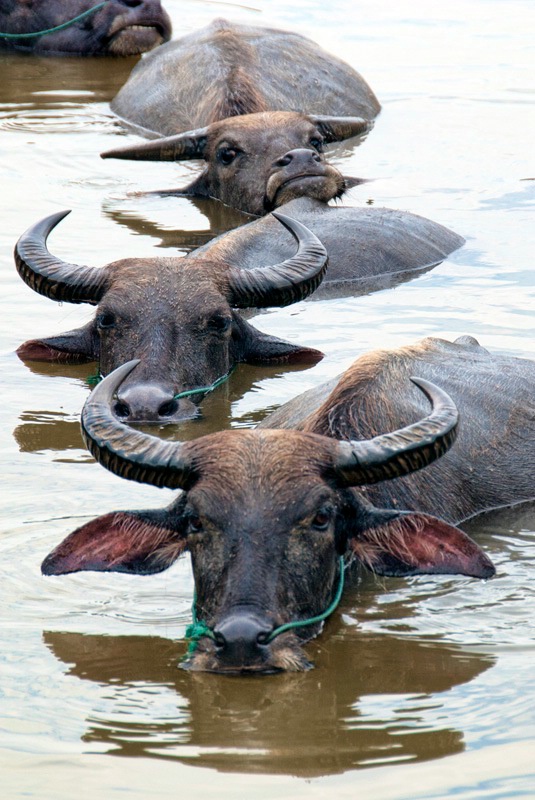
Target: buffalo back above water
x=369 y=248
x=493 y=460
x=227 y=69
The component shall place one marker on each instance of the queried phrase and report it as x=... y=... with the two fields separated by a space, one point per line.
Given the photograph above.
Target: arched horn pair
x=278 y=285
x=147 y=459
x=51 y=277
x=191 y=144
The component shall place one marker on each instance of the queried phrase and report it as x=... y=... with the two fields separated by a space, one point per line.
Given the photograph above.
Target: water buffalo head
x=267 y=516
x=176 y=314
x=118 y=28
x=257 y=162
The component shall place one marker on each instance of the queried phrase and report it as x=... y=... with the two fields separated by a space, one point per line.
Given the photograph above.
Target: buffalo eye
x=219 y=323
x=194 y=523
x=322 y=519
x=105 y=320
x=317 y=143
x=226 y=155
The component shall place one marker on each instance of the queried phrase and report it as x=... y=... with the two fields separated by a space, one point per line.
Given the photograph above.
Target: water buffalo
x=116 y=27
x=257 y=161
x=177 y=315
x=369 y=248
x=228 y=69
x=268 y=515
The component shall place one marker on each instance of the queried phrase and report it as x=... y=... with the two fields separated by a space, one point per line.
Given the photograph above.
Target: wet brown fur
x=351 y=410
x=236 y=93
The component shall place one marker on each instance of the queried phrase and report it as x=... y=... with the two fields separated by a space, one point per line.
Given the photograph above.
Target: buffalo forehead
x=268 y=471
x=168 y=278
x=260 y=128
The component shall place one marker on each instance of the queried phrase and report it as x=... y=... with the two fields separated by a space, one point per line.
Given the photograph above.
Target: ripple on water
x=65 y=117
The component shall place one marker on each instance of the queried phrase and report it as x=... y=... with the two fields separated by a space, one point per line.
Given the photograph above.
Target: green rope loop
x=205 y=389
x=93 y=380
x=57 y=28
x=197 y=629
x=288 y=626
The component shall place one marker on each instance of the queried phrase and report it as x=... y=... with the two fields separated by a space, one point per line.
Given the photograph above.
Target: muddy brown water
x=423 y=688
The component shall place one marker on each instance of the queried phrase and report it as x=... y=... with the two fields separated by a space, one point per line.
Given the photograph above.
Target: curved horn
x=180 y=147
x=51 y=277
x=334 y=129
x=393 y=455
x=284 y=283
x=128 y=453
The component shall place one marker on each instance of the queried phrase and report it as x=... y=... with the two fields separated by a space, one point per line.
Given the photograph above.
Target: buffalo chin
x=283 y=656
x=322 y=187
x=135 y=39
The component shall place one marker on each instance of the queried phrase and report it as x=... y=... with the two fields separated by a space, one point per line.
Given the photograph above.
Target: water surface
x=424 y=687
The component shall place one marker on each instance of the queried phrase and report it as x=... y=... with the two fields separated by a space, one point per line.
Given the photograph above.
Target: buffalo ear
x=418 y=544
x=350 y=182
x=255 y=347
x=138 y=542
x=271 y=350
x=73 y=347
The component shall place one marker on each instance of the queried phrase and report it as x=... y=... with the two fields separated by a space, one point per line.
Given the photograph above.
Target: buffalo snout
x=302 y=172
x=300 y=157
x=151 y=403
x=242 y=642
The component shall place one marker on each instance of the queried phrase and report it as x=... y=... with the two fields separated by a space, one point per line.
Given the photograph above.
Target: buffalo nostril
x=121 y=410
x=284 y=161
x=168 y=408
x=316 y=157
x=263 y=637
x=219 y=639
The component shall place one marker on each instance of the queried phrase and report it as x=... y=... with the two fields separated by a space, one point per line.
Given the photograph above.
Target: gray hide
x=368 y=248
x=227 y=69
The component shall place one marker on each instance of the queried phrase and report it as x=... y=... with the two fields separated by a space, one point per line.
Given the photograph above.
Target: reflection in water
x=33 y=97
x=314 y=723
x=219 y=219
x=39 y=82
x=52 y=430
x=47 y=430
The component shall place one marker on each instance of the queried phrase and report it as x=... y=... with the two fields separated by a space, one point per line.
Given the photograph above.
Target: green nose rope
x=197 y=629
x=92 y=380
x=205 y=389
x=300 y=623
x=57 y=28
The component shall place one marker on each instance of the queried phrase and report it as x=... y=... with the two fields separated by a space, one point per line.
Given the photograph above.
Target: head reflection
x=371 y=700
x=52 y=430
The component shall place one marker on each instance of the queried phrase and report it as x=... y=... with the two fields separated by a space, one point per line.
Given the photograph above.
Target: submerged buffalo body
x=368 y=248
x=175 y=314
x=267 y=514
x=493 y=461
x=119 y=28
x=258 y=161
x=227 y=69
